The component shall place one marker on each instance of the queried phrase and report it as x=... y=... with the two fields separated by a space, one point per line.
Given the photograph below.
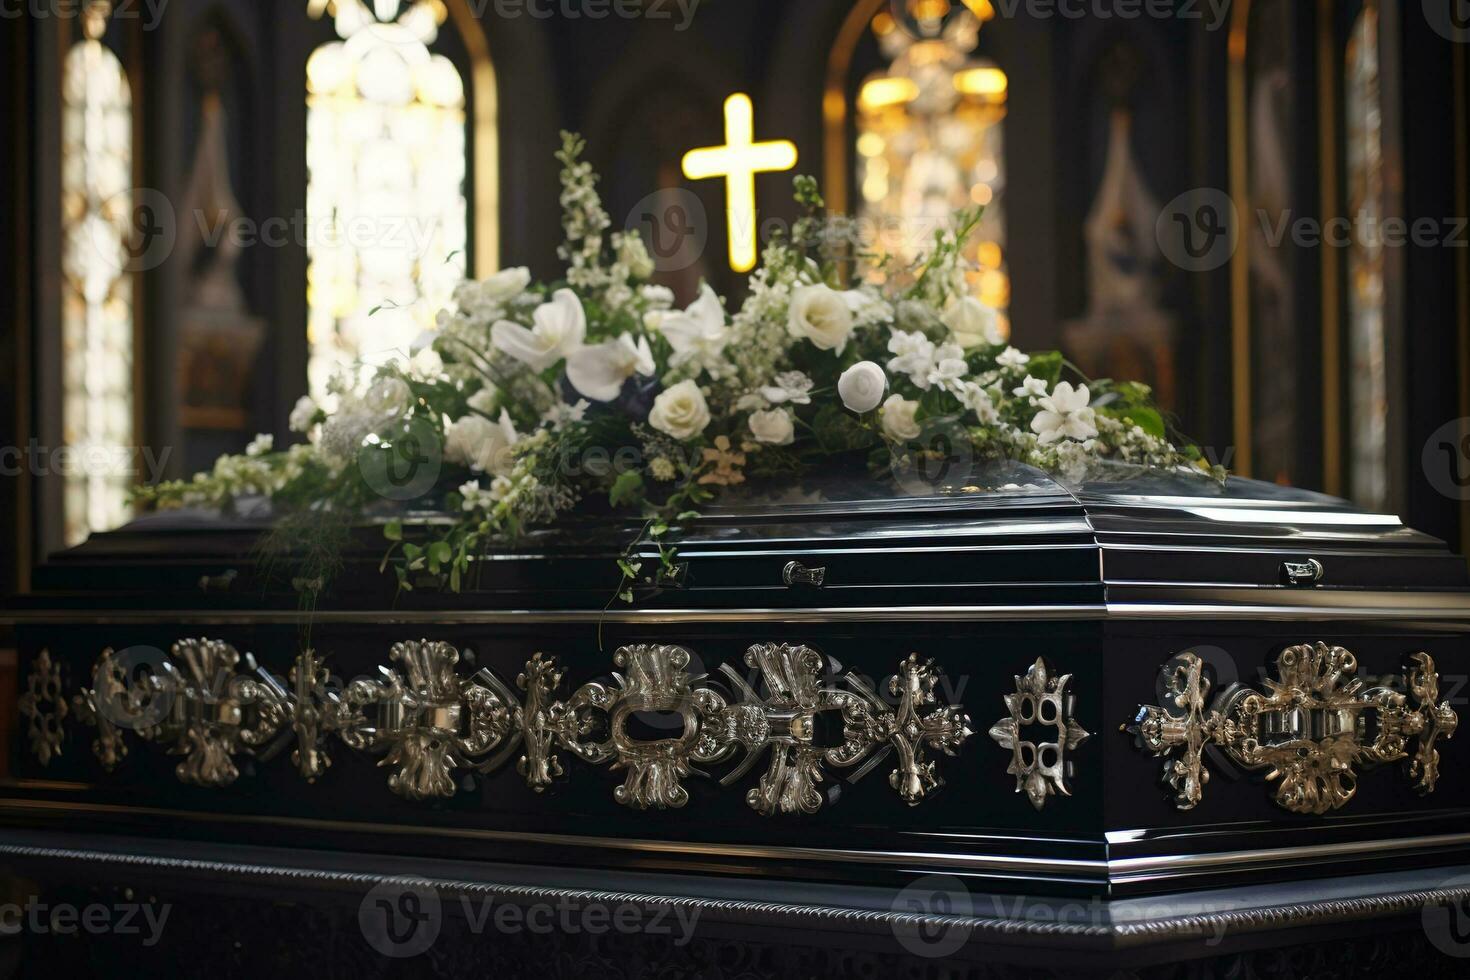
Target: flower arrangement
x=834 y=351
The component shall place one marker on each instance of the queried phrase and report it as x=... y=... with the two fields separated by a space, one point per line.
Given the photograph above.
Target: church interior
x=1258 y=208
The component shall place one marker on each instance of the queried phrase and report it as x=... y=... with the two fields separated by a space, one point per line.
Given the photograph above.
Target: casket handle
x=218 y=583
x=795 y=573
x=1308 y=572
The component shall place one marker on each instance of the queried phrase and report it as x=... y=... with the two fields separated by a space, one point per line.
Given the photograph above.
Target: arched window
x=97 y=340
x=1366 y=347
x=386 y=203
x=928 y=131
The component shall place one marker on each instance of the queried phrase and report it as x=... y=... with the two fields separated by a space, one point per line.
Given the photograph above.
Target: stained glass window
x=97 y=288
x=385 y=199
x=1367 y=373
x=930 y=137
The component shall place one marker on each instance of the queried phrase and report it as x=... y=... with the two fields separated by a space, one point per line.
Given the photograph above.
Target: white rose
x=822 y=315
x=303 y=416
x=899 y=423
x=861 y=386
x=506 y=284
x=388 y=398
x=773 y=426
x=971 y=323
x=480 y=444
x=680 y=411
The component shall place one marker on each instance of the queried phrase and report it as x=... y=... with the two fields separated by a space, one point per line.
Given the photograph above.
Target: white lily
x=1065 y=414
x=560 y=327
x=599 y=371
x=697 y=334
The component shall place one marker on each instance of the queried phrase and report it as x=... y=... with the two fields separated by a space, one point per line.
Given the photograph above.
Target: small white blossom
x=788 y=386
x=633 y=254
x=303 y=415
x=562 y=413
x=657 y=297
x=1065 y=414
x=978 y=400
x=913 y=356
x=388 y=398
x=1012 y=358
x=948 y=369
x=1031 y=388
x=260 y=445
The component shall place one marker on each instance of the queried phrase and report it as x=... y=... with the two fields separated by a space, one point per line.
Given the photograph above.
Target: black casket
x=1008 y=724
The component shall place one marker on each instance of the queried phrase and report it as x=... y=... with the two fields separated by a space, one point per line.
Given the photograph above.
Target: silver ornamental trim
x=432 y=722
x=1308 y=728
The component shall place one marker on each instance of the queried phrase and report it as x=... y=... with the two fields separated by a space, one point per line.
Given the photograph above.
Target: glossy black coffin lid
x=1003 y=537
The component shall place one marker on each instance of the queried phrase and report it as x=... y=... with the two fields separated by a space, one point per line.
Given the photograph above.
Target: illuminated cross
x=738 y=161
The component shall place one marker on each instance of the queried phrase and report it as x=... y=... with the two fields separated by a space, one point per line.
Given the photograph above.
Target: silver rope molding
x=430 y=722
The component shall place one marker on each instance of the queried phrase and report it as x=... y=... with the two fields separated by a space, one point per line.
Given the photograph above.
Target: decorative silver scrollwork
x=785 y=725
x=93 y=704
x=428 y=719
x=1308 y=729
x=43 y=706
x=912 y=731
x=215 y=713
x=430 y=722
x=1040 y=768
x=312 y=712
